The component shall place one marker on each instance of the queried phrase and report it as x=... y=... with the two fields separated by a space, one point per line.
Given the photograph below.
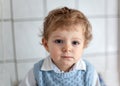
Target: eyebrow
x=57 y=36
x=77 y=39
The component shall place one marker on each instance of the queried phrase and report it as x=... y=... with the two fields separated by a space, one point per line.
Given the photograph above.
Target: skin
x=65 y=47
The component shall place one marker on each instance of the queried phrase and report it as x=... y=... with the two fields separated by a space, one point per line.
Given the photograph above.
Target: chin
x=68 y=63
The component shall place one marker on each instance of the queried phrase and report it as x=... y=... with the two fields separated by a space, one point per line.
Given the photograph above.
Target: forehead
x=68 y=31
x=77 y=27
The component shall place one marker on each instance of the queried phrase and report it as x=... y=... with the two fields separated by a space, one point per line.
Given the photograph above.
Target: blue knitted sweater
x=72 y=78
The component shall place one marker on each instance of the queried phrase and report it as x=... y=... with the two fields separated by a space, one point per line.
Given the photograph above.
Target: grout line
x=45 y=7
x=27 y=19
x=106 y=37
x=101 y=54
x=45 y=12
x=37 y=59
x=21 y=60
x=1 y=20
x=14 y=46
x=102 y=16
x=41 y=18
x=1 y=28
x=118 y=41
x=23 y=19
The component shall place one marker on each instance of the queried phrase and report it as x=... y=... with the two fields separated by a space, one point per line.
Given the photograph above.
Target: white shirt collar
x=49 y=65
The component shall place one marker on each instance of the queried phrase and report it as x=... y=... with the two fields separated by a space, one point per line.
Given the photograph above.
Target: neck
x=62 y=67
x=65 y=68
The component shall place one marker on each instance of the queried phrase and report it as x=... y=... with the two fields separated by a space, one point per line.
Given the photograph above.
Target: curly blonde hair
x=64 y=17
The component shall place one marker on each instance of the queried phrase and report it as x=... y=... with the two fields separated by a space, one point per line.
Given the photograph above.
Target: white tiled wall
x=98 y=43
x=20 y=25
x=111 y=72
x=92 y=8
x=7 y=74
x=23 y=68
x=98 y=62
x=59 y=3
x=28 y=9
x=111 y=7
x=5 y=8
x=27 y=37
x=6 y=41
x=112 y=34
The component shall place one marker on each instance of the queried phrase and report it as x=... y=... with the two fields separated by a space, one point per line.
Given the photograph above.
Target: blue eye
x=58 y=41
x=75 y=43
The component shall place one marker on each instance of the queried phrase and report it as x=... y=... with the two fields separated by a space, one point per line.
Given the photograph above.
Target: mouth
x=67 y=57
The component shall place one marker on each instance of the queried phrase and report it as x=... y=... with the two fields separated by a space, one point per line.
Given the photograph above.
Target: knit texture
x=72 y=78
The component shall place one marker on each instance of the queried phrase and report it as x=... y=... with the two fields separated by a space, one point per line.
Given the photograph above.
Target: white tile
x=112 y=34
x=27 y=8
x=23 y=69
x=99 y=62
x=98 y=43
x=112 y=62
x=7 y=74
x=5 y=9
x=28 y=41
x=112 y=7
x=92 y=8
x=112 y=78
x=107 y=66
x=6 y=41
x=53 y=4
x=4 y=79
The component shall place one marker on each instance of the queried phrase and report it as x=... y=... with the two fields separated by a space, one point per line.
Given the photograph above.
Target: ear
x=45 y=44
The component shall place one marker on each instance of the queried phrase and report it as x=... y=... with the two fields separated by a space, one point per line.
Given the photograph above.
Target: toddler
x=66 y=33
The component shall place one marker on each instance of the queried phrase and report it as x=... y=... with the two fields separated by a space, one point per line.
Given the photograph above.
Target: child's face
x=65 y=47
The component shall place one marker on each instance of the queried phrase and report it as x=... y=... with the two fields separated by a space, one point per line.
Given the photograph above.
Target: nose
x=67 y=47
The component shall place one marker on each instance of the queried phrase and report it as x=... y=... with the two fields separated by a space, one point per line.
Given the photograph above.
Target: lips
x=67 y=57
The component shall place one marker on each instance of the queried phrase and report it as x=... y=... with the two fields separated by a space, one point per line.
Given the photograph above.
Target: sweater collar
x=48 y=65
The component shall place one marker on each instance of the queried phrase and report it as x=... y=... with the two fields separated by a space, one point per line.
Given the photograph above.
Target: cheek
x=54 y=53
x=79 y=51
x=54 y=49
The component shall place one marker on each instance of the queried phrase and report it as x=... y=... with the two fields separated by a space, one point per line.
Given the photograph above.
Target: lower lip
x=66 y=57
